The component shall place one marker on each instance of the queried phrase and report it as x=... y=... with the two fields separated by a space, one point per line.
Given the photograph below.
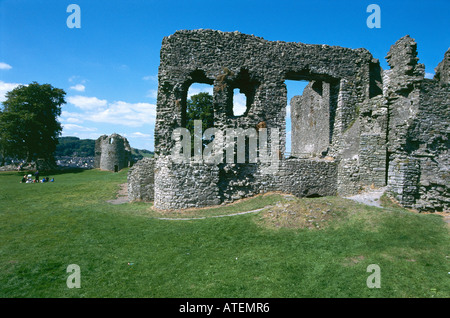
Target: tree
x=199 y=107
x=29 y=128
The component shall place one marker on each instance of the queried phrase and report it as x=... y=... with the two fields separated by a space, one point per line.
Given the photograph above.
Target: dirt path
x=122 y=195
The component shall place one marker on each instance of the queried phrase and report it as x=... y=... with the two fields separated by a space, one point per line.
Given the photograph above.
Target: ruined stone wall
x=310 y=121
x=185 y=185
x=259 y=69
x=419 y=112
x=256 y=66
x=429 y=140
x=307 y=178
x=141 y=181
x=373 y=142
x=300 y=177
x=112 y=153
x=205 y=184
x=426 y=151
x=355 y=125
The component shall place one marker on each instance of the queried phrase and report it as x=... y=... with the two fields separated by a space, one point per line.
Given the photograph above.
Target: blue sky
x=109 y=66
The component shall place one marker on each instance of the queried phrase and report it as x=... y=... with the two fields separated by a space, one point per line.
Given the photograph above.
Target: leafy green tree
x=199 y=107
x=29 y=127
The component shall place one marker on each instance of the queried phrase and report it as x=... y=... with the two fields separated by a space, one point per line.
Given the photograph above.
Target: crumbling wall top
x=213 y=50
x=402 y=57
x=443 y=69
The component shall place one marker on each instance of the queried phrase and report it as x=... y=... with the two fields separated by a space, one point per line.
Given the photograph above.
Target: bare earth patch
x=350 y=261
x=122 y=195
x=370 y=197
x=310 y=214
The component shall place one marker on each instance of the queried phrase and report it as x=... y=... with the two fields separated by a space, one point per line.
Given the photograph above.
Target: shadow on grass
x=55 y=172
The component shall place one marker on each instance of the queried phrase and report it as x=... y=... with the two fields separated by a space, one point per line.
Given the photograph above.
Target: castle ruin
x=356 y=125
x=112 y=153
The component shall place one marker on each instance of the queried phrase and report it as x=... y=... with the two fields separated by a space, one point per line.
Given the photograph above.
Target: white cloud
x=87 y=103
x=199 y=88
x=429 y=75
x=150 y=78
x=6 y=87
x=78 y=87
x=67 y=114
x=140 y=135
x=239 y=104
x=73 y=120
x=153 y=93
x=127 y=114
x=76 y=78
x=78 y=128
x=118 y=113
x=4 y=66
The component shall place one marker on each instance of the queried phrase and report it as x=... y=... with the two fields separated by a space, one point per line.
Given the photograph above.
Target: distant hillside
x=76 y=147
x=141 y=153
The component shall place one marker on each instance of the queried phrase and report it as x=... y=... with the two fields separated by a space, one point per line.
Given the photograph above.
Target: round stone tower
x=112 y=153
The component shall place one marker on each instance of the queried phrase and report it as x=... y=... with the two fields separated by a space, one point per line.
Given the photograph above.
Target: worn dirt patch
x=122 y=195
x=300 y=214
x=351 y=261
x=370 y=196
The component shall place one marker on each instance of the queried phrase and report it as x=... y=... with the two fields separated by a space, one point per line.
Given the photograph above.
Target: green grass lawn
x=126 y=251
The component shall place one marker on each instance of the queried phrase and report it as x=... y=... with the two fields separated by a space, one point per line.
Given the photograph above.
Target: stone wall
x=185 y=185
x=373 y=119
x=340 y=80
x=355 y=125
x=257 y=67
x=311 y=124
x=429 y=140
x=141 y=181
x=418 y=131
x=206 y=184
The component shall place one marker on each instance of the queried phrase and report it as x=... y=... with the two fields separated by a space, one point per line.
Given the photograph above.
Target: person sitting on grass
x=24 y=179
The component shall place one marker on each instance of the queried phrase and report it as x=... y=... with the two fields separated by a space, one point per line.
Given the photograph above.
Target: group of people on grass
x=29 y=179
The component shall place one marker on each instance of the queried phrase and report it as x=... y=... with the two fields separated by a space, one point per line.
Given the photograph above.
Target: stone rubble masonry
x=418 y=130
x=112 y=153
x=356 y=125
x=310 y=125
x=140 y=180
x=442 y=71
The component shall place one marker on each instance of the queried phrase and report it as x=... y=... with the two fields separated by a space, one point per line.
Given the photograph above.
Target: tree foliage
x=75 y=147
x=199 y=107
x=29 y=126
